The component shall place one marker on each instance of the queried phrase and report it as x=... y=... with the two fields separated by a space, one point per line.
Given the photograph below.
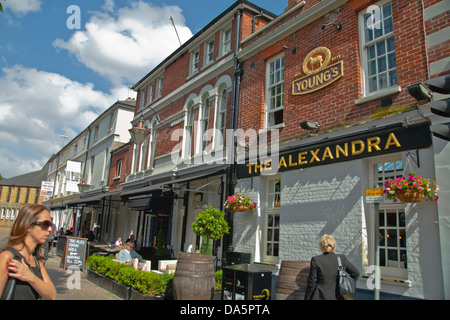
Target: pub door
x=153 y=223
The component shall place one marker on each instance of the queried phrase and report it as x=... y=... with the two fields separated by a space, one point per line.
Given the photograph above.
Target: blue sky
x=55 y=80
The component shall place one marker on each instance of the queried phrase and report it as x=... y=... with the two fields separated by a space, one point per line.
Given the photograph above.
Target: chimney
x=291 y=3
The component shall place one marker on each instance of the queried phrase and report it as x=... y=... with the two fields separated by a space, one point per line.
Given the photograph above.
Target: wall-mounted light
x=139 y=133
x=309 y=125
x=198 y=197
x=294 y=49
x=419 y=91
x=337 y=25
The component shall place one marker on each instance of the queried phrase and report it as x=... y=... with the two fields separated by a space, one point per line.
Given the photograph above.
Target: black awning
x=81 y=202
x=141 y=204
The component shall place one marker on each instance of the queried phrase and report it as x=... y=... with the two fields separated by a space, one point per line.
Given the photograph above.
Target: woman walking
x=22 y=272
x=323 y=272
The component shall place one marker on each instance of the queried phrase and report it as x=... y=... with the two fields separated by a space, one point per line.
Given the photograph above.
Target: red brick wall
x=334 y=106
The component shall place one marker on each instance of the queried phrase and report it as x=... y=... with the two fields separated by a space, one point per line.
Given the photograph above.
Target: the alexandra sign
x=319 y=73
x=342 y=149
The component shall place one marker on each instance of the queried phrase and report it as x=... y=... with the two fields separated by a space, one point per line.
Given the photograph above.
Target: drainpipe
x=254 y=20
x=231 y=170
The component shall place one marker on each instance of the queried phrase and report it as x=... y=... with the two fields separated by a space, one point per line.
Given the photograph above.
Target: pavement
x=70 y=285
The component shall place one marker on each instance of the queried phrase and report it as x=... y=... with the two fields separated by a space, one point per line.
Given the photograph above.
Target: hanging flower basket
x=412 y=189
x=410 y=195
x=240 y=207
x=239 y=203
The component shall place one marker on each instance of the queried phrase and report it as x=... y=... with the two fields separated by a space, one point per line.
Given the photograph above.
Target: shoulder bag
x=346 y=284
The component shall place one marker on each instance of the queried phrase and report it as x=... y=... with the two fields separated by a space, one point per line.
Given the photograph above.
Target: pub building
x=327 y=83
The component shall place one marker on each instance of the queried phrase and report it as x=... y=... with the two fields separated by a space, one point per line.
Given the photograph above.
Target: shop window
x=272 y=239
x=392 y=224
x=275 y=91
x=377 y=39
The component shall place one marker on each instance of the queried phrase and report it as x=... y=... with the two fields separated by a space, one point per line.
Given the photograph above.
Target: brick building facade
x=341 y=70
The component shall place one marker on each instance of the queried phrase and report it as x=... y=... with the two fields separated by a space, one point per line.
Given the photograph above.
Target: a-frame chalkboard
x=74 y=253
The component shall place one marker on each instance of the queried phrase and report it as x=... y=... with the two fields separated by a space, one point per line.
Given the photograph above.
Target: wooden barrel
x=194 y=277
x=292 y=280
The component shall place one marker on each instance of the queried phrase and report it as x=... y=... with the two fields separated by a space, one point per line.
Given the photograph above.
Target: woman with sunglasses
x=20 y=259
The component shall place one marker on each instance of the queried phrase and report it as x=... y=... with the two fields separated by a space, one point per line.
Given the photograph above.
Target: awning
x=141 y=204
x=139 y=191
x=89 y=201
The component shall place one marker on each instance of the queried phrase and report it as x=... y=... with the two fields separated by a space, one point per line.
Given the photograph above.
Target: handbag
x=346 y=284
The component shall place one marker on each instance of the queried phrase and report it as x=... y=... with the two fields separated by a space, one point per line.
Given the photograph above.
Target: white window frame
x=150 y=94
x=225 y=40
x=159 y=84
x=209 y=52
x=378 y=41
x=387 y=271
x=204 y=122
x=269 y=86
x=142 y=99
x=272 y=214
x=195 y=62
x=119 y=168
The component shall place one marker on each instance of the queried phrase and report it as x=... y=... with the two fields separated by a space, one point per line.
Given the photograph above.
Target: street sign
x=374 y=195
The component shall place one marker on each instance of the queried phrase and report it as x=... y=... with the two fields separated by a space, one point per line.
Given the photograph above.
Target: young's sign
x=319 y=73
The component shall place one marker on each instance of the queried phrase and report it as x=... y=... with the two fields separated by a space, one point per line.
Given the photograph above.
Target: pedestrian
x=22 y=270
x=49 y=243
x=323 y=272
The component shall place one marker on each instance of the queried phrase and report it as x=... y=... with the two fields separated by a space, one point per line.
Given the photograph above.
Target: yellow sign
x=318 y=72
x=374 y=195
x=374 y=192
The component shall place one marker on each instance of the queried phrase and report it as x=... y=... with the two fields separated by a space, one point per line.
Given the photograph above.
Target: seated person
x=131 y=257
x=118 y=242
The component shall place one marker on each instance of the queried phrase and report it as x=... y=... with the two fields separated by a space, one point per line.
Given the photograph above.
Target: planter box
x=123 y=292
x=136 y=295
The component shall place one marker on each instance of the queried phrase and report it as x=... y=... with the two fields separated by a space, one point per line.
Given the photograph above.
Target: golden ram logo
x=319 y=73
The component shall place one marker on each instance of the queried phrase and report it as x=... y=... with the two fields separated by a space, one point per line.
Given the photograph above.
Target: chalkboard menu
x=74 y=253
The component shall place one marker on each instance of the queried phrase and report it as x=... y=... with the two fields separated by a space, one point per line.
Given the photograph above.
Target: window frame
x=390 y=272
x=272 y=212
x=269 y=111
x=373 y=43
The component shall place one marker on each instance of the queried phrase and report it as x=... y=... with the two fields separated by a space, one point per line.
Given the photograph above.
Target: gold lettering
x=343 y=151
x=361 y=145
x=304 y=85
x=314 y=156
x=291 y=164
x=298 y=84
x=327 y=154
x=335 y=71
x=326 y=76
x=373 y=143
x=313 y=84
x=392 y=140
x=301 y=158
x=250 y=168
x=319 y=78
x=267 y=165
x=282 y=163
x=258 y=167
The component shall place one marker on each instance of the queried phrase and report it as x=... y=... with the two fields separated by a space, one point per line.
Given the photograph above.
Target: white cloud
x=36 y=107
x=126 y=45
x=22 y=7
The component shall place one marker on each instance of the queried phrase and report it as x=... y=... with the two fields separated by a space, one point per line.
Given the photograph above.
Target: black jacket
x=323 y=275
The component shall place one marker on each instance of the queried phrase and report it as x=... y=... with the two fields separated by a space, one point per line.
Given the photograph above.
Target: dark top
x=23 y=290
x=323 y=274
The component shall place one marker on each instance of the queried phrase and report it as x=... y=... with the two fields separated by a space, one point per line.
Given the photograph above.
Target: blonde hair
x=327 y=243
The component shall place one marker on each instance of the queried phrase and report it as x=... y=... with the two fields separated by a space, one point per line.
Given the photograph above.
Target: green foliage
x=211 y=224
x=161 y=244
x=148 y=283
x=218 y=275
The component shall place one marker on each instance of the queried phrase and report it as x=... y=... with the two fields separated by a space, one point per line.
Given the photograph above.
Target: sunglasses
x=43 y=224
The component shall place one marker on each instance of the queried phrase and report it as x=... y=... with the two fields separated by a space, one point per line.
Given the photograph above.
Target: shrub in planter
x=148 y=283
